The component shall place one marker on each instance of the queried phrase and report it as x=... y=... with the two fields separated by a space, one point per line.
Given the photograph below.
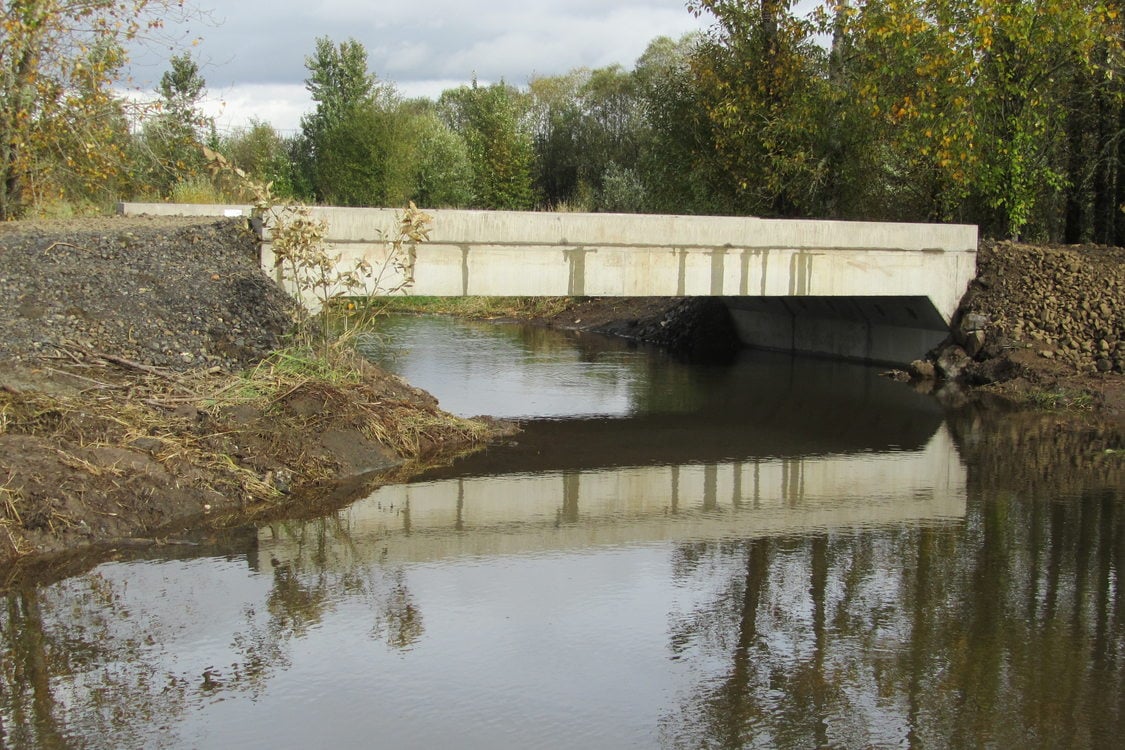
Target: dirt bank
x=139 y=396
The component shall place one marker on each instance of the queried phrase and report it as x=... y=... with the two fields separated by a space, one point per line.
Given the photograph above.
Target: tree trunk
x=1078 y=164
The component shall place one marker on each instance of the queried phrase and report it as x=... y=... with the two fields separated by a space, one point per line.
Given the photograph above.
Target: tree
x=677 y=162
x=974 y=102
x=555 y=116
x=59 y=121
x=348 y=148
x=492 y=121
x=589 y=124
x=442 y=173
x=171 y=140
x=760 y=72
x=261 y=152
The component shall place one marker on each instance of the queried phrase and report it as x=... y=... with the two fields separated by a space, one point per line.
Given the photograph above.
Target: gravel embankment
x=1066 y=303
x=177 y=293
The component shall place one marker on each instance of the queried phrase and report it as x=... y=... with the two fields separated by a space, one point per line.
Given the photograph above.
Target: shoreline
x=146 y=390
x=146 y=399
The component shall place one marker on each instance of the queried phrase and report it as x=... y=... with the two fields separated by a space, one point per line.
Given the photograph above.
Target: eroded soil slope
x=139 y=395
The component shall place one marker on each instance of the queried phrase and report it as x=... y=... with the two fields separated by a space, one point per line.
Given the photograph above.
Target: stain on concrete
x=718 y=264
x=744 y=272
x=800 y=274
x=765 y=269
x=464 y=270
x=576 y=270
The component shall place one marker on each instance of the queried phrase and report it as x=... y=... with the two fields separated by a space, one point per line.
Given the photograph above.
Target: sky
x=252 y=52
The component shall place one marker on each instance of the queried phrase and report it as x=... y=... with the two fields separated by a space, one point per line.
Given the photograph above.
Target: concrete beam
x=498 y=253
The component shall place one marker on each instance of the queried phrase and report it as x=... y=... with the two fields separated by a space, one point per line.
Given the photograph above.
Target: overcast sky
x=252 y=52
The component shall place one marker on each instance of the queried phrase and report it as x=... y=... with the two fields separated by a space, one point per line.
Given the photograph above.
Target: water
x=781 y=553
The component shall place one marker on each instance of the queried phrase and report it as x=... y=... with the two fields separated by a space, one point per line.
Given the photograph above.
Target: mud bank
x=143 y=396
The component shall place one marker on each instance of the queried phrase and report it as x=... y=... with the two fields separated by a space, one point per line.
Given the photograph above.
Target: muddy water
x=780 y=553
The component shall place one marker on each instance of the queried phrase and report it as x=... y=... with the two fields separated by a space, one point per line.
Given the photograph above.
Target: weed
x=197 y=189
x=317 y=277
x=1061 y=400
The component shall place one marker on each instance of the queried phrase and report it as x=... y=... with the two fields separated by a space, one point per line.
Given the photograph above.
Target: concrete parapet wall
x=501 y=253
x=185 y=209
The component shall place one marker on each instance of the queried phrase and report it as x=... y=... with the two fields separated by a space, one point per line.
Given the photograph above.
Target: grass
x=479 y=307
x=1061 y=400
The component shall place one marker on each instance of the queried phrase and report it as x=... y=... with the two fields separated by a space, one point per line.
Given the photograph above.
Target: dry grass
x=11 y=524
x=481 y=308
x=120 y=406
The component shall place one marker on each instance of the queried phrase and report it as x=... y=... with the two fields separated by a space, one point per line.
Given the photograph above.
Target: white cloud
x=252 y=52
x=280 y=104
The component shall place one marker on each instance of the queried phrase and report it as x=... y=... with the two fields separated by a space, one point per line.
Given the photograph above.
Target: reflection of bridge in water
x=574 y=508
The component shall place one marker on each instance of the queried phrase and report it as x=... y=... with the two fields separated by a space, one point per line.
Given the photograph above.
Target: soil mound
x=177 y=293
x=142 y=399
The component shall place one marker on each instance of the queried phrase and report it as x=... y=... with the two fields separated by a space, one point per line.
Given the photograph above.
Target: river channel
x=776 y=553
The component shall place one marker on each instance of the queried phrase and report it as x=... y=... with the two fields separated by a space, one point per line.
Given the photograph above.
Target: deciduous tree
x=492 y=120
x=59 y=121
x=348 y=148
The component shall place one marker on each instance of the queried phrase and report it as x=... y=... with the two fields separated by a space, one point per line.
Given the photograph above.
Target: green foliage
x=168 y=150
x=354 y=148
x=339 y=83
x=587 y=125
x=355 y=159
x=262 y=153
x=491 y=120
x=675 y=161
x=442 y=170
x=761 y=71
x=196 y=189
x=622 y=190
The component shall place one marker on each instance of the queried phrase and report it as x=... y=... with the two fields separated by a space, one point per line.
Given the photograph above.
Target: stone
x=951 y=362
x=974 y=343
x=922 y=369
x=1103 y=365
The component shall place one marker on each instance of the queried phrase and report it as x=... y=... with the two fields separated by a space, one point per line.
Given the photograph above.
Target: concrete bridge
x=877 y=292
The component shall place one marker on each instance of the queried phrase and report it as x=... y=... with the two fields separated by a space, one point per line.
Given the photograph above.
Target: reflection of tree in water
x=1006 y=632
x=309 y=582
x=80 y=667
x=397 y=620
x=74 y=669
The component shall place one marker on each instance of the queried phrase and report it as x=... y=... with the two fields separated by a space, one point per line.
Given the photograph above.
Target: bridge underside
x=884 y=330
